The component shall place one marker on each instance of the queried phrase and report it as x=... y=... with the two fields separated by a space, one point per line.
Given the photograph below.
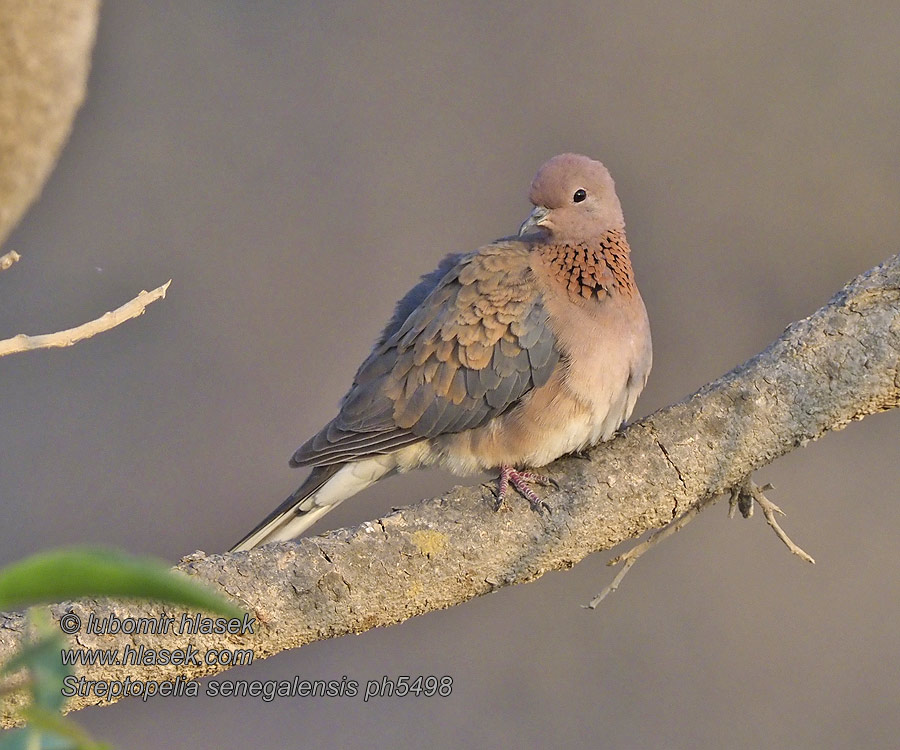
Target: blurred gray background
x=294 y=167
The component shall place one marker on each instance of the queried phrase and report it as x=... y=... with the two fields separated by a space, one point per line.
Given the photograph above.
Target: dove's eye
x=579 y=196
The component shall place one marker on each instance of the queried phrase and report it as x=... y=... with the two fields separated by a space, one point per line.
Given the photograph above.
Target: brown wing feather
x=463 y=346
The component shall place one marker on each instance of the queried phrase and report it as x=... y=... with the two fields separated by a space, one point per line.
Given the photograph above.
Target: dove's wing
x=463 y=347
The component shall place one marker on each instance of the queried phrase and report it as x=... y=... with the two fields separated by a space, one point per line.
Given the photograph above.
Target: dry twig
x=743 y=496
x=632 y=556
x=748 y=492
x=107 y=321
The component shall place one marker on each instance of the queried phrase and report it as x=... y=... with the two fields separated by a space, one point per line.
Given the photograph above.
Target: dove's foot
x=519 y=480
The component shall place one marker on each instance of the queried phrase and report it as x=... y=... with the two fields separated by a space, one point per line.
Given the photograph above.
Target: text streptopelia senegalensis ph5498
x=504 y=358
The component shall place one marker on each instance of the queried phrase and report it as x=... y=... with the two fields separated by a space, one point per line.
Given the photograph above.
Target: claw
x=519 y=479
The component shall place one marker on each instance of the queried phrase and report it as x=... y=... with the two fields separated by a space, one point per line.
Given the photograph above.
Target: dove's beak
x=535 y=220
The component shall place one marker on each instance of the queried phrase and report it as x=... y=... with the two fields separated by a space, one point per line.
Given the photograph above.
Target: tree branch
x=45 y=55
x=836 y=366
x=105 y=322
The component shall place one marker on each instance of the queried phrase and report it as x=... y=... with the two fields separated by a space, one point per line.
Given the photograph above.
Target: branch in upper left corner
x=105 y=322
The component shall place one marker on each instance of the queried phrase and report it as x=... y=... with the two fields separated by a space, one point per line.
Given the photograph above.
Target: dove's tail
x=324 y=489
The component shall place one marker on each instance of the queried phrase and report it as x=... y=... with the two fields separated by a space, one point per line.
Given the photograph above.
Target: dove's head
x=574 y=198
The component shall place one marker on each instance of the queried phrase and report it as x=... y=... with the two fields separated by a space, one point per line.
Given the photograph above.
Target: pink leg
x=519 y=479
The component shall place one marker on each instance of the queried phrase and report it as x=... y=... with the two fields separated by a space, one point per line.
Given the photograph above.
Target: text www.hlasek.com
x=161 y=657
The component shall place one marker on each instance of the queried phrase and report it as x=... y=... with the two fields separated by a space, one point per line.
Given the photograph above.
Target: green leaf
x=29 y=738
x=22 y=739
x=81 y=572
x=51 y=723
x=26 y=655
x=46 y=728
x=47 y=675
x=41 y=658
x=47 y=671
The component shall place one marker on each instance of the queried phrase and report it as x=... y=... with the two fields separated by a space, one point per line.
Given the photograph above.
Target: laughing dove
x=502 y=358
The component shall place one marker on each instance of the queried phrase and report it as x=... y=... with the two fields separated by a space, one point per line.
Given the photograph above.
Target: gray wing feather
x=463 y=346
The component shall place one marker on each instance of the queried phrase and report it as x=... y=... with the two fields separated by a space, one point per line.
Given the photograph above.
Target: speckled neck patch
x=592 y=269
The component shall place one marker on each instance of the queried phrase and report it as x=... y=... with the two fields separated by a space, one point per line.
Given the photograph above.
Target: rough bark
x=838 y=365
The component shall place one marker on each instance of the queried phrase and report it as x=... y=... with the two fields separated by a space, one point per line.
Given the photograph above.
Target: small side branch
x=105 y=322
x=7 y=260
x=747 y=493
x=632 y=556
x=743 y=496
